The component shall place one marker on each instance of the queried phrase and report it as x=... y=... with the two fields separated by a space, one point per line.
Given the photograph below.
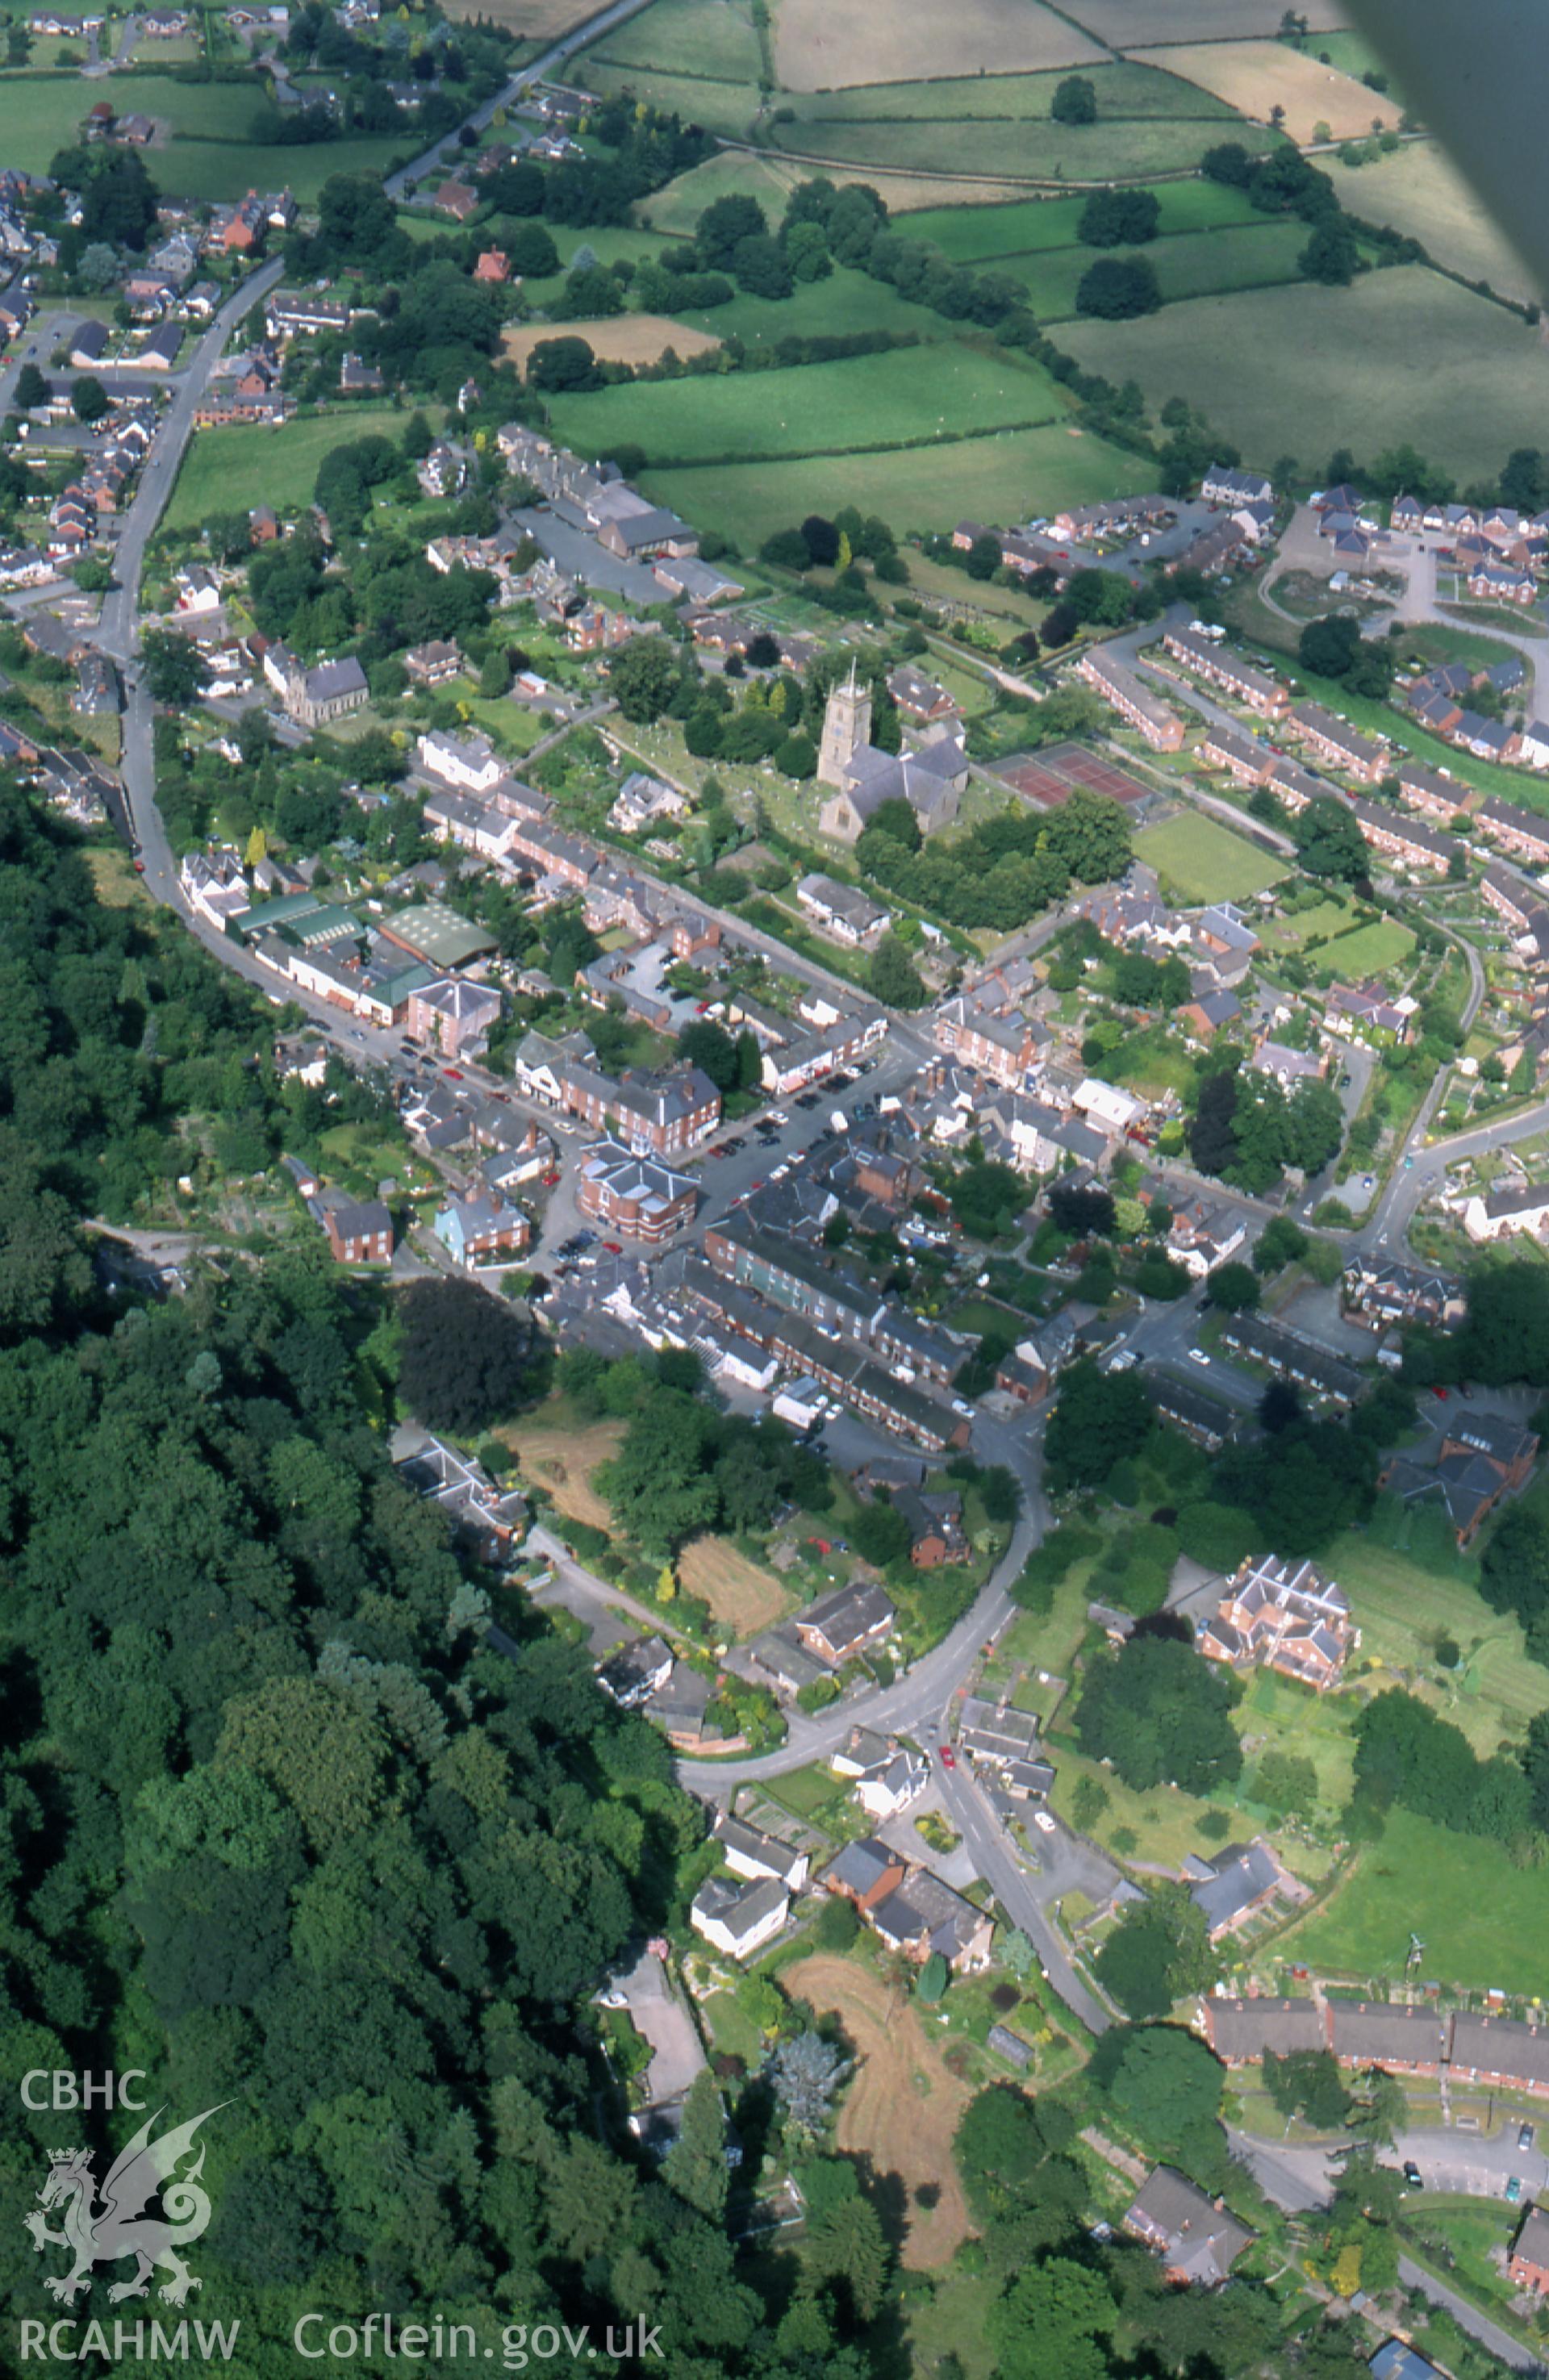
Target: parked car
x=1412 y=2174
x=1042 y=1820
x=1525 y=2137
x=947 y=1756
x=1513 y=2189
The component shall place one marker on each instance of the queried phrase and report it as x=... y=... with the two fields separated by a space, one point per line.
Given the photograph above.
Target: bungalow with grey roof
x=1196 y=2239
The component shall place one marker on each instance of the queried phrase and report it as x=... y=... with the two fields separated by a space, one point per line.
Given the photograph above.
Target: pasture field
x=1403 y=355
x=532 y=20
x=819 y=48
x=743 y=1596
x=1202 y=860
x=1253 y=77
x=902 y=2107
x=618 y=338
x=1124 y=91
x=1023 y=149
x=1419 y=191
x=1399 y=1604
x=1195 y=264
x=1483 y=1921
x=982 y=234
x=1135 y=24
x=1012 y=475
x=729 y=108
x=675 y=210
x=818 y=309
x=220 y=169
x=863 y=402
x=711 y=38
x=230 y=470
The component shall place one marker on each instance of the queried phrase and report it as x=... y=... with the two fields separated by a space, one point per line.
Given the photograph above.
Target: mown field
x=819 y=48
x=1403 y=354
x=1004 y=476
x=1202 y=860
x=230 y=470
x=617 y=338
x=210 y=153
x=866 y=401
x=1483 y=1921
x=1421 y=193
x=1254 y=76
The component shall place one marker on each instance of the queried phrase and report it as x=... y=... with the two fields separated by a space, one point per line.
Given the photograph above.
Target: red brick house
x=360 y=1235
x=1528 y=2267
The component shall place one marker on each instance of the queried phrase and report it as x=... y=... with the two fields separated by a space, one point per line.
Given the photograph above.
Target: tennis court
x=1051 y=777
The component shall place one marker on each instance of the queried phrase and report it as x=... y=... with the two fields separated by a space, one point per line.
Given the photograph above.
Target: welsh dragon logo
x=105 y=2233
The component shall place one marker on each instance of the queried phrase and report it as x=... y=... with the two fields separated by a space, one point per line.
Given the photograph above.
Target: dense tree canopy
x=1162 y=1716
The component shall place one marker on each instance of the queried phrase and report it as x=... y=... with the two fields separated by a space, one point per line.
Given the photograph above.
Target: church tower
x=846 y=729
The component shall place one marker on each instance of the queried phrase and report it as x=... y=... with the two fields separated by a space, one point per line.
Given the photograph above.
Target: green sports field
x=1199 y=859
x=1483 y=1921
x=230 y=470
x=866 y=401
x=1404 y=354
x=1008 y=475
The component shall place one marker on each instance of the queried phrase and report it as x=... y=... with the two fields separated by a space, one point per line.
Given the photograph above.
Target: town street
x=1286 y=2176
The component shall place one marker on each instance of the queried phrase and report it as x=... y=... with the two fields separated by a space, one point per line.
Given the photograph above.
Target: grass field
x=864 y=401
x=1128 y=26
x=819 y=47
x=618 y=339
x=1199 y=859
x=1192 y=264
x=1402 y=355
x=1370 y=951
x=1421 y=193
x=692 y=37
x=743 y=1596
x=1398 y=1604
x=230 y=470
x=1114 y=149
x=1482 y=1920
x=532 y=20
x=899 y=2111
x=974 y=235
x=677 y=209
x=1010 y=475
x=817 y=308
x=210 y=153
x=1253 y=77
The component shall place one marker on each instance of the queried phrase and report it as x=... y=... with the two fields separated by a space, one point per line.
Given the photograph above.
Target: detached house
x=739 y=1918
x=1286 y=1616
x=1196 y=2239
x=845 y=1624
x=360 y=1235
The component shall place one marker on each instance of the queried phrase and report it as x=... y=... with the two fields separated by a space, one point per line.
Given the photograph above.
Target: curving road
x=446 y=152
x=1297 y=2180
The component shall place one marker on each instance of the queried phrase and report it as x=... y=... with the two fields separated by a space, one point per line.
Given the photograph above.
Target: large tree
x=1162 y=1715
x=467 y=1358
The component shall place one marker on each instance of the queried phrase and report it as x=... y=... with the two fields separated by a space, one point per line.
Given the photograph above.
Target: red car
x=754 y=1185
x=549 y=1180
x=1440 y=1392
x=947 y=1756
x=139 y=867
x=452 y=1074
x=612 y=1247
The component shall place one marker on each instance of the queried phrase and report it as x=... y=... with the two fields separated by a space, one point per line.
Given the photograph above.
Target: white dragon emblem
x=118 y=2228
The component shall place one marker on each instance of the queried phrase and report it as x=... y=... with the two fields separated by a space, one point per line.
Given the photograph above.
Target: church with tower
x=930 y=777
